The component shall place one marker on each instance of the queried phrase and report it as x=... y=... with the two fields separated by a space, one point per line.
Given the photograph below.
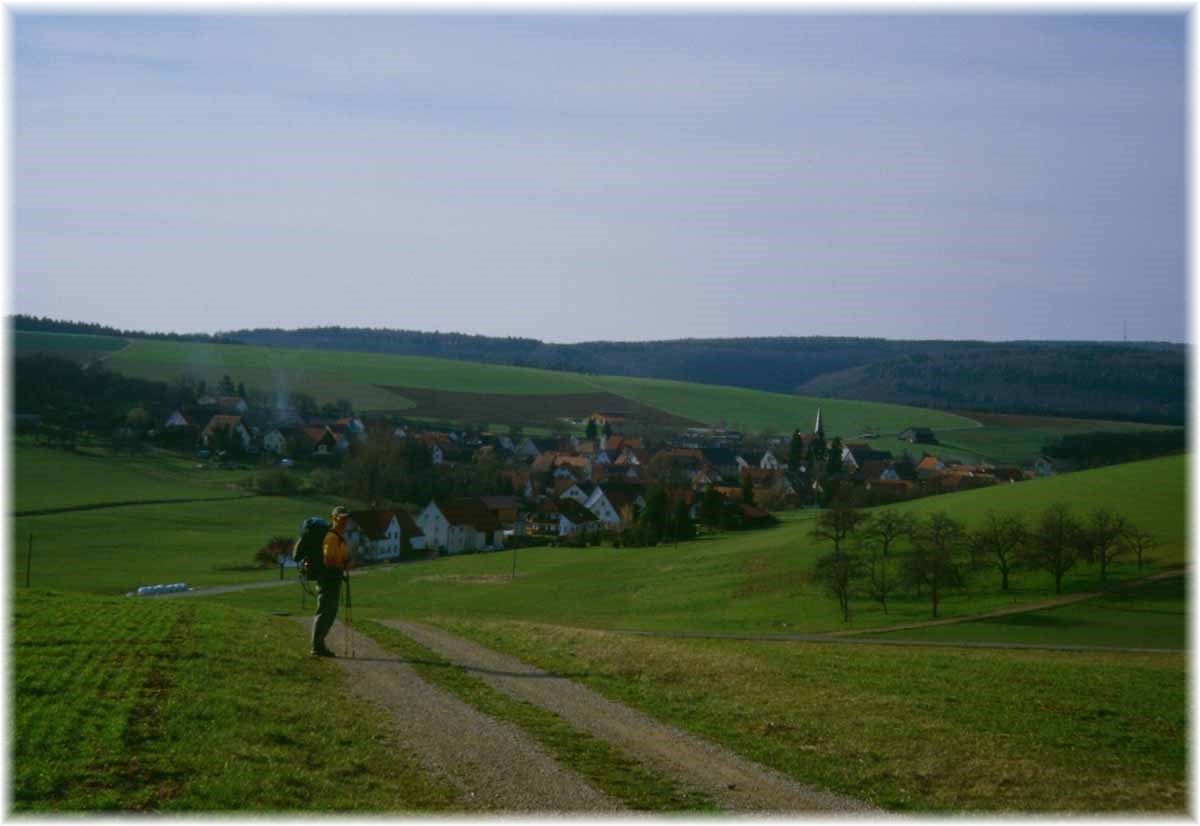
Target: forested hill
x=1136 y=381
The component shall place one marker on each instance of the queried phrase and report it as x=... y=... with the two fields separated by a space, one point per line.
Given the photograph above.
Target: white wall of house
x=598 y=504
x=769 y=462
x=574 y=492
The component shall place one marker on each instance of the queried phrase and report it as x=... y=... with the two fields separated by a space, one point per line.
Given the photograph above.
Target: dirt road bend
x=494 y=764
x=733 y=782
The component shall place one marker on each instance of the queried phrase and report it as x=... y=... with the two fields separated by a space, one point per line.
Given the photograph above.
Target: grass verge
x=605 y=766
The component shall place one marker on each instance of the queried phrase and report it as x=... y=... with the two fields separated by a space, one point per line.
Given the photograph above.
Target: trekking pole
x=347 y=621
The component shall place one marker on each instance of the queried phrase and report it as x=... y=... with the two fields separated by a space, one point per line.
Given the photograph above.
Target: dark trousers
x=329 y=590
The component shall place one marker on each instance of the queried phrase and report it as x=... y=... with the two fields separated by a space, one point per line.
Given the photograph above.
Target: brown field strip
x=506 y=408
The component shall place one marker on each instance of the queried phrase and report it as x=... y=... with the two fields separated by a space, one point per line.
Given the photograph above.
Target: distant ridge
x=1138 y=381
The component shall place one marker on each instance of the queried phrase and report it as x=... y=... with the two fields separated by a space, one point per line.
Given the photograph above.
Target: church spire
x=819 y=428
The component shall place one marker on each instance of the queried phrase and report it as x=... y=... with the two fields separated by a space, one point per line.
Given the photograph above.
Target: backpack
x=334 y=553
x=307 y=552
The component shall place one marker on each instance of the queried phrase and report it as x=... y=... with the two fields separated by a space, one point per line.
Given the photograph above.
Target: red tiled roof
x=373 y=523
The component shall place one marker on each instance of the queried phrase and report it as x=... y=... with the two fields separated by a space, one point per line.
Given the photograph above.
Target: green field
x=929 y=730
x=55 y=478
x=328 y=375
x=1153 y=615
x=159 y=706
x=66 y=345
x=756 y=581
x=913 y=729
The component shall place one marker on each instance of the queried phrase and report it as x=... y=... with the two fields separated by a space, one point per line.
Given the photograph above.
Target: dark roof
x=719 y=455
x=469 y=512
x=373 y=523
x=408 y=526
x=498 y=502
x=576 y=512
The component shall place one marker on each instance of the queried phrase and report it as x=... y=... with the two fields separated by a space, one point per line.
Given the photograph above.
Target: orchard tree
x=1138 y=542
x=936 y=558
x=1101 y=538
x=837 y=573
x=836 y=523
x=881 y=531
x=999 y=542
x=1054 y=544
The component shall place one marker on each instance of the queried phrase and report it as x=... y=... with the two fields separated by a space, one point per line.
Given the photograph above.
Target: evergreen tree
x=607 y=431
x=226 y=386
x=747 y=490
x=796 y=451
x=591 y=429
x=833 y=464
x=683 y=527
x=241 y=390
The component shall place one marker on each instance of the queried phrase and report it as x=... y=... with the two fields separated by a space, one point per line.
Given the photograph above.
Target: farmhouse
x=230 y=422
x=918 y=435
x=460 y=525
x=381 y=534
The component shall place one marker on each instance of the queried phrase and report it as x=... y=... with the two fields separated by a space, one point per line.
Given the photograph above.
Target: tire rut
x=495 y=766
x=733 y=782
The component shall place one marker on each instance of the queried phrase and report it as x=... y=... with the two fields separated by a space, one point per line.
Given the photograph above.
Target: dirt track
x=734 y=783
x=495 y=766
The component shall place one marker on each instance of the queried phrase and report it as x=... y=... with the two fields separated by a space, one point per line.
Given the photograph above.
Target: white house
x=614 y=507
x=461 y=525
x=578 y=493
x=769 y=462
x=380 y=534
x=574 y=518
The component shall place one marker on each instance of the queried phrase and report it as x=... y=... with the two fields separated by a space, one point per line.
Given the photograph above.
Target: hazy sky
x=605 y=177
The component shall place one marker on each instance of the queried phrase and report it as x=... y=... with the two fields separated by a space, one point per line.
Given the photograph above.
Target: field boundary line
x=1018 y=609
x=129 y=503
x=863 y=640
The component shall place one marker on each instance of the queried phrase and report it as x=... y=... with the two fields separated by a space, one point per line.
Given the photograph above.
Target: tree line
x=880 y=554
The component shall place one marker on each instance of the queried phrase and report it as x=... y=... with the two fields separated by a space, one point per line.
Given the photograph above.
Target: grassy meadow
x=1152 y=615
x=49 y=478
x=756 y=581
x=128 y=705
x=66 y=345
x=924 y=730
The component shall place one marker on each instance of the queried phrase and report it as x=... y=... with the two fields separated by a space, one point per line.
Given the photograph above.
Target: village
x=568 y=489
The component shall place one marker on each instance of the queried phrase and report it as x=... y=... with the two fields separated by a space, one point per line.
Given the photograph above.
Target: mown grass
x=49 y=478
x=924 y=730
x=66 y=345
x=114 y=550
x=605 y=766
x=758 y=581
x=1153 y=615
x=176 y=706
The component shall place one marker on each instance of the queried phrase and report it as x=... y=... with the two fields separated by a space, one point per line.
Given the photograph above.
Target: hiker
x=323 y=546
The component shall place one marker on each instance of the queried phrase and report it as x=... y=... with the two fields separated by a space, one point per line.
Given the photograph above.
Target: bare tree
x=1138 y=542
x=836 y=523
x=1101 y=538
x=881 y=531
x=998 y=542
x=837 y=572
x=882 y=579
x=936 y=555
x=1054 y=544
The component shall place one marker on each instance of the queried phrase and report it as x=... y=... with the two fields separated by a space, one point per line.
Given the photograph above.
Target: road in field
x=495 y=766
x=734 y=783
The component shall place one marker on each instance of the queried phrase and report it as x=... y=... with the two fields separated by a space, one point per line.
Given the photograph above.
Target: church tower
x=819 y=427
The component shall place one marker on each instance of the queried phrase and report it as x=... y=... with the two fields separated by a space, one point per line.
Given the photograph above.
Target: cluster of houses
x=569 y=485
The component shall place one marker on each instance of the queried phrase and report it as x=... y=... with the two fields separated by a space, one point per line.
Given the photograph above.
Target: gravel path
x=734 y=783
x=494 y=764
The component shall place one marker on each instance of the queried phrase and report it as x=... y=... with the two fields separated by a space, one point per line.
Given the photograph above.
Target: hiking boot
x=322 y=652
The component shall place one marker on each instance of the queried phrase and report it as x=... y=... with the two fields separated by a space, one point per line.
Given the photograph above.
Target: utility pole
x=28 y=559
